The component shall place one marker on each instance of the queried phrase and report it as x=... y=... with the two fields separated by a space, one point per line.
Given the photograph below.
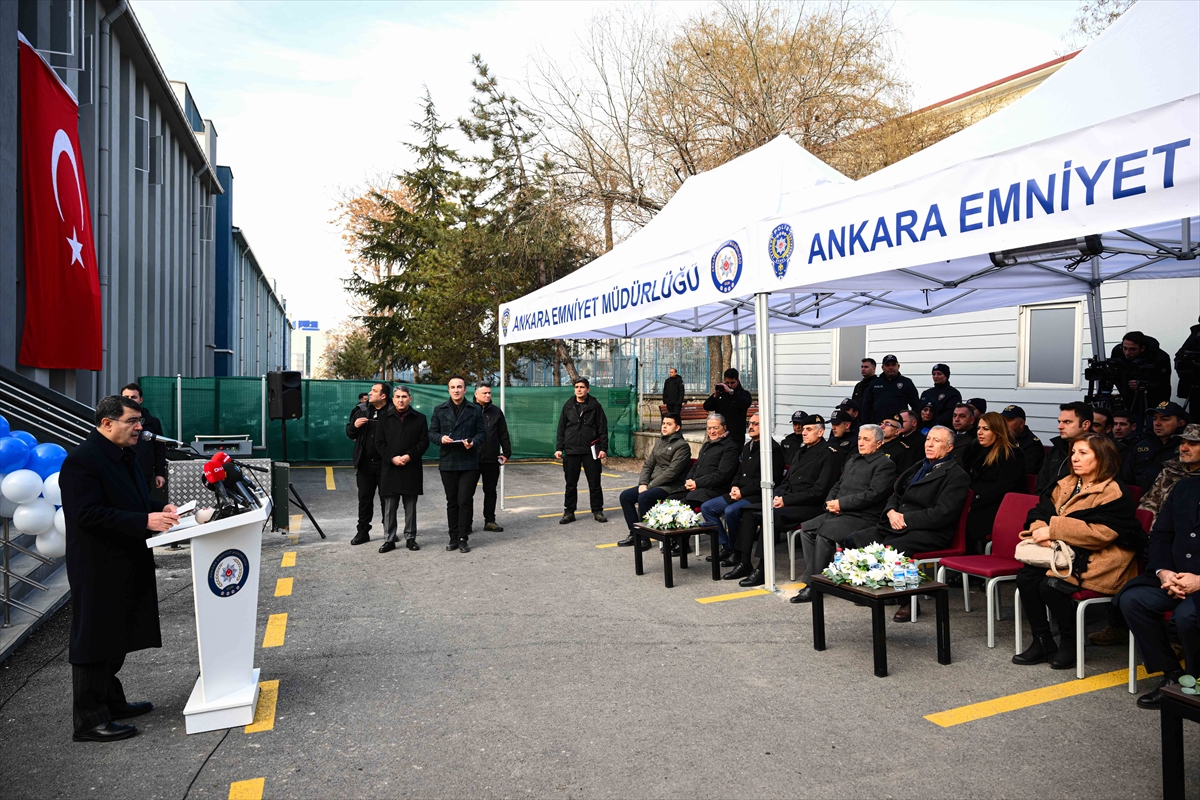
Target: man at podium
x=114 y=598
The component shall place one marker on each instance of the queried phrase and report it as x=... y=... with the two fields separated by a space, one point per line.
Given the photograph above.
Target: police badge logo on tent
x=228 y=573
x=727 y=266
x=781 y=247
x=504 y=321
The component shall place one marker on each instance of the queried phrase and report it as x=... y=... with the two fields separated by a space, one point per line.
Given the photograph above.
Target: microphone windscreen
x=221 y=458
x=204 y=515
x=218 y=474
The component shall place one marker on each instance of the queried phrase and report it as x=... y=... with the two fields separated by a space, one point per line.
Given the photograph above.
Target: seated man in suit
x=855 y=501
x=725 y=511
x=800 y=497
x=1171 y=582
x=925 y=505
x=662 y=474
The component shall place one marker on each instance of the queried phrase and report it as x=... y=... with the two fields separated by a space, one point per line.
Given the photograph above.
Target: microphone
x=235 y=481
x=214 y=476
x=149 y=436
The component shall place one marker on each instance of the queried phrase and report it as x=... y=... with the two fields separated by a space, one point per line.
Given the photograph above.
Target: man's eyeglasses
x=130 y=421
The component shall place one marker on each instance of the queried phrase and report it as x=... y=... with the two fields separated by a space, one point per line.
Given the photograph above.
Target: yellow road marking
x=276 y=628
x=264 y=713
x=329 y=484
x=283 y=587
x=735 y=596
x=789 y=586
x=547 y=516
x=247 y=790
x=609 y=475
x=557 y=494
x=602 y=546
x=1012 y=702
x=294 y=538
x=289 y=559
x=294 y=522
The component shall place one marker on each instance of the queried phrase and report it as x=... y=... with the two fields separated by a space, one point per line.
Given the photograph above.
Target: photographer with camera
x=1187 y=366
x=732 y=402
x=1143 y=372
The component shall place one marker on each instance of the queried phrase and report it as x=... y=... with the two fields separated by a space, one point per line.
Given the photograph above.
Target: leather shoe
x=803 y=596
x=133 y=710
x=1064 y=657
x=904 y=612
x=627 y=541
x=450 y=548
x=1042 y=648
x=108 y=732
x=722 y=556
x=755 y=578
x=411 y=544
x=1108 y=636
x=361 y=538
x=491 y=526
x=1153 y=699
x=387 y=547
x=599 y=517
x=741 y=571
x=463 y=547
x=567 y=518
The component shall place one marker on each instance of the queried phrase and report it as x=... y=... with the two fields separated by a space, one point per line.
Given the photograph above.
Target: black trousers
x=674 y=408
x=749 y=535
x=591 y=468
x=489 y=471
x=635 y=505
x=391 y=508
x=98 y=693
x=368 y=487
x=460 y=501
x=1037 y=597
x=1143 y=607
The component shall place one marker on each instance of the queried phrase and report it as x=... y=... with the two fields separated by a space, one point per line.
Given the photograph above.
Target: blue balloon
x=14 y=453
x=4 y=429
x=26 y=437
x=46 y=459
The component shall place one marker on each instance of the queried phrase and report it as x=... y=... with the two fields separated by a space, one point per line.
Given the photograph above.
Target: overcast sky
x=311 y=100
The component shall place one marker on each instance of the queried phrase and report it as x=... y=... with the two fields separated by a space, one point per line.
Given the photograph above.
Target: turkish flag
x=62 y=284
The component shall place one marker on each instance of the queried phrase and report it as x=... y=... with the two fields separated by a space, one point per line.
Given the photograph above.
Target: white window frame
x=835 y=352
x=1023 y=345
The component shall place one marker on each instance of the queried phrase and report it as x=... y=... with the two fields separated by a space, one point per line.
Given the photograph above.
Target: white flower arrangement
x=672 y=515
x=870 y=566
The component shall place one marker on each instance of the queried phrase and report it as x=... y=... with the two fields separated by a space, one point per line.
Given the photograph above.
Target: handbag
x=1057 y=558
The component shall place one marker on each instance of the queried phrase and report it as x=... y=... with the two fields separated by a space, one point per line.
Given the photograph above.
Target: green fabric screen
x=234 y=406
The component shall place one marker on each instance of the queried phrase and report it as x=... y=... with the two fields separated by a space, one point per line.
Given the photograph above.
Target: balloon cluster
x=29 y=493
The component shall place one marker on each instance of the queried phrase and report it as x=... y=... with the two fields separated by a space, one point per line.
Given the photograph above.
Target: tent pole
x=502 y=382
x=1094 y=312
x=766 y=416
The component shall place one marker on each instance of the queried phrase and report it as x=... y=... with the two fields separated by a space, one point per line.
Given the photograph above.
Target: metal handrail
x=6 y=598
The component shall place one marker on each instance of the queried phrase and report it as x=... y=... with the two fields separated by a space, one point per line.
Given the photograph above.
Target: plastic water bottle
x=837 y=557
x=914 y=575
x=899 y=577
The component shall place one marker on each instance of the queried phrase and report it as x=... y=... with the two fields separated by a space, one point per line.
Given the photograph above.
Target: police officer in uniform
x=941 y=396
x=853 y=409
x=1031 y=446
x=868 y=375
x=1146 y=460
x=889 y=393
x=894 y=446
x=839 y=434
x=792 y=443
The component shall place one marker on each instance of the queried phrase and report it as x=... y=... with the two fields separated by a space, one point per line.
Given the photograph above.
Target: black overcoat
x=114 y=599
x=397 y=435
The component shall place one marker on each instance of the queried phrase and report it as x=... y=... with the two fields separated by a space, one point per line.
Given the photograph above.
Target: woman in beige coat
x=1094 y=513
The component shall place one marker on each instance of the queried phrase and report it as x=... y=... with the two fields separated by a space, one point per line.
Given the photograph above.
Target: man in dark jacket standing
x=925 y=505
x=114 y=598
x=888 y=394
x=1030 y=444
x=582 y=444
x=800 y=497
x=732 y=402
x=941 y=395
x=1146 y=458
x=673 y=392
x=855 y=501
x=458 y=428
x=868 y=375
x=402 y=437
x=663 y=473
x=1074 y=420
x=368 y=463
x=495 y=451
x=151 y=456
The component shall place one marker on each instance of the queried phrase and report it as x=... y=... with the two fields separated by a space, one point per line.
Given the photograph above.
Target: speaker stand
x=292 y=487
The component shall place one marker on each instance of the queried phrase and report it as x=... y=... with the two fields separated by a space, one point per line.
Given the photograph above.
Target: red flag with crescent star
x=62 y=284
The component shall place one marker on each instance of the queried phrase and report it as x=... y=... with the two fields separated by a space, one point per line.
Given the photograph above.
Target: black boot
x=1064 y=658
x=1042 y=648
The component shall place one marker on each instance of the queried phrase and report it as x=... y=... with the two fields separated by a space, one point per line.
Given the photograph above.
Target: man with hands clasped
x=458 y=428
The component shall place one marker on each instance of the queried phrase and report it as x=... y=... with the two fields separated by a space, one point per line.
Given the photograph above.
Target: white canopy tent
x=1092 y=176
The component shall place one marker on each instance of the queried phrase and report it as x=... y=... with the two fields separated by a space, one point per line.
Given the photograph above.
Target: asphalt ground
x=539 y=665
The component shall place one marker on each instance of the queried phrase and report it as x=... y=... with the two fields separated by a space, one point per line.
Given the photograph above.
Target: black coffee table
x=668 y=538
x=875 y=599
x=1175 y=708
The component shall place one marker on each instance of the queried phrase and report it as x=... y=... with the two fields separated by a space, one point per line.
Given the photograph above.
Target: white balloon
x=60 y=522
x=50 y=490
x=34 y=517
x=21 y=486
x=52 y=544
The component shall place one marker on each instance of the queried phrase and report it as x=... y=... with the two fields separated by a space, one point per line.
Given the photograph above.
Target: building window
x=849 y=349
x=141 y=144
x=206 y=222
x=1048 y=346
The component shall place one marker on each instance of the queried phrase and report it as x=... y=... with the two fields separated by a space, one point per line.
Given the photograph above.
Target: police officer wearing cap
x=1146 y=460
x=794 y=440
x=1031 y=446
x=942 y=397
x=894 y=446
x=840 y=437
x=889 y=393
x=853 y=409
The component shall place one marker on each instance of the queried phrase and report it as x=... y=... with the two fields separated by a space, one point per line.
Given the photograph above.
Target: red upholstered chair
x=999 y=565
x=958 y=547
x=1136 y=491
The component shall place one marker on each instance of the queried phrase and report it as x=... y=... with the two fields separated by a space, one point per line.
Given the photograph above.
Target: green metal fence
x=237 y=405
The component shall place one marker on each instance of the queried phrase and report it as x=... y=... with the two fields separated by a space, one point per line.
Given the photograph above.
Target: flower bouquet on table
x=874 y=566
x=672 y=515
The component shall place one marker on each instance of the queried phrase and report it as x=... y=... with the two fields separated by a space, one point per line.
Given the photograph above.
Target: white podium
x=226 y=563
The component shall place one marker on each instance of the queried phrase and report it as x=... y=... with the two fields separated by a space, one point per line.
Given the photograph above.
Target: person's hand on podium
x=162 y=521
